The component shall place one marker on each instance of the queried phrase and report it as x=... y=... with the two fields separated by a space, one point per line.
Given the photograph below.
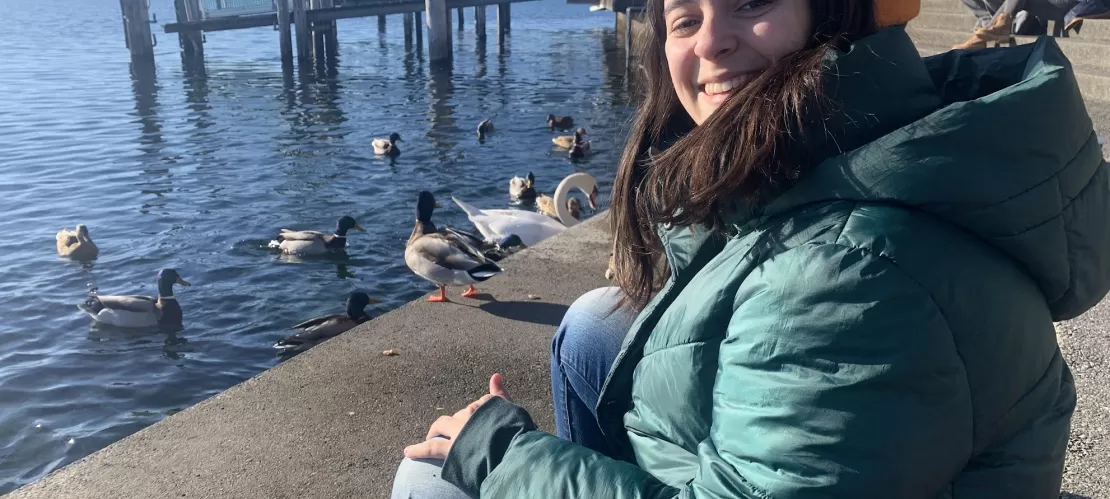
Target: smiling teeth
x=720 y=88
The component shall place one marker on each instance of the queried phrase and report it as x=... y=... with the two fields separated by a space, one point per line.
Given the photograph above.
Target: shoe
x=1000 y=31
x=976 y=42
x=1086 y=9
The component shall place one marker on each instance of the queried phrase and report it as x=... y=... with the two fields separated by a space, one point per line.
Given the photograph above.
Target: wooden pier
x=314 y=22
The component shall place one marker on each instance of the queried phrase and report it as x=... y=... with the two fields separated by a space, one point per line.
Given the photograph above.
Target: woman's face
x=715 y=46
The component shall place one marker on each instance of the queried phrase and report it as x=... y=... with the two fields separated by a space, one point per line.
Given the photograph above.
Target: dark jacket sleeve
x=838 y=378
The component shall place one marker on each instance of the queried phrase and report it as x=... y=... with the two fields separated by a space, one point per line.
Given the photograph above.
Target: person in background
x=865 y=252
x=997 y=18
x=1086 y=10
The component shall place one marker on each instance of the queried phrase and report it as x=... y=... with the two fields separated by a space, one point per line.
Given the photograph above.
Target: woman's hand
x=449 y=427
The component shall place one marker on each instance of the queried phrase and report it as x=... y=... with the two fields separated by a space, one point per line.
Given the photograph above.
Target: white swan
x=530 y=226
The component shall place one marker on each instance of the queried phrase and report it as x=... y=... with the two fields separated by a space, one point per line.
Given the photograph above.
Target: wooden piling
x=461 y=20
x=381 y=24
x=480 y=22
x=318 y=50
x=439 y=29
x=418 y=28
x=407 y=22
x=331 y=33
x=285 y=33
x=191 y=41
x=136 y=30
x=503 y=10
x=304 y=33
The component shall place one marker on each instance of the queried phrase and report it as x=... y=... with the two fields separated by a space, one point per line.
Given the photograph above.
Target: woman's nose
x=715 y=39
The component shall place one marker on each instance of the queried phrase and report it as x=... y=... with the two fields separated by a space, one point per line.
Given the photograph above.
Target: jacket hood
x=997 y=142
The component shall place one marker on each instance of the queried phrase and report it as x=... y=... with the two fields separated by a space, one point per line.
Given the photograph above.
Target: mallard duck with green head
x=320 y=328
x=310 y=242
x=443 y=257
x=138 y=311
x=387 y=146
x=523 y=188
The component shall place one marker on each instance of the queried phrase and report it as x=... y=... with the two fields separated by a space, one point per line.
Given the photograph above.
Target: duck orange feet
x=442 y=297
x=469 y=293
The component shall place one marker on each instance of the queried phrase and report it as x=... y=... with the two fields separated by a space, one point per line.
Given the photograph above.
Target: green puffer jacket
x=883 y=329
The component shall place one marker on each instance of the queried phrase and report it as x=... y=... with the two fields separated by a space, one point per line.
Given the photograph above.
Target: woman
x=862 y=272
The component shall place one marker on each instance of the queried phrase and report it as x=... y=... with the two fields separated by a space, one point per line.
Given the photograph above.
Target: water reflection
x=156 y=178
x=442 y=109
x=144 y=86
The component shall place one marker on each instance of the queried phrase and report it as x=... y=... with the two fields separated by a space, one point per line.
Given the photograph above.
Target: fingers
x=436 y=448
x=478 y=403
x=497 y=387
x=445 y=426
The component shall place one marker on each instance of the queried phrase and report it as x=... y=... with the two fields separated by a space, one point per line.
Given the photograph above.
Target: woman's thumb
x=497 y=387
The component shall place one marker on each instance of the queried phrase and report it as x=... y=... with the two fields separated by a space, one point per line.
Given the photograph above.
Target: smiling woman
x=853 y=303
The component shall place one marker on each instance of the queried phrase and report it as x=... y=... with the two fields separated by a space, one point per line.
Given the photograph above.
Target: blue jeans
x=582 y=352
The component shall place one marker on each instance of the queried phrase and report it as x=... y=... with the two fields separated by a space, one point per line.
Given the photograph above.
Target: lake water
x=196 y=168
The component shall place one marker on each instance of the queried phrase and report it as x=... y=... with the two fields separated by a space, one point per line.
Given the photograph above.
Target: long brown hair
x=738 y=157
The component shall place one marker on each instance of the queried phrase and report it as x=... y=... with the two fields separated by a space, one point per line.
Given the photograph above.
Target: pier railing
x=212 y=9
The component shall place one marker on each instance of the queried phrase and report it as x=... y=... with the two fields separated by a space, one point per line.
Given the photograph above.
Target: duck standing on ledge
x=310 y=242
x=320 y=328
x=444 y=258
x=76 y=244
x=139 y=311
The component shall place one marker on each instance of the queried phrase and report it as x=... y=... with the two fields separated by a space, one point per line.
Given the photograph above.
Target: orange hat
x=892 y=12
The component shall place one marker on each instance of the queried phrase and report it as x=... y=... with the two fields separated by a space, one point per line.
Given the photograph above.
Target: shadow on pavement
x=536 y=312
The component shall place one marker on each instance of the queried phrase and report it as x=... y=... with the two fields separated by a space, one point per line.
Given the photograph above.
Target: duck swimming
x=139 y=311
x=563 y=123
x=387 y=146
x=310 y=242
x=442 y=257
x=76 y=244
x=568 y=141
x=547 y=207
x=523 y=188
x=320 y=328
x=485 y=128
x=581 y=146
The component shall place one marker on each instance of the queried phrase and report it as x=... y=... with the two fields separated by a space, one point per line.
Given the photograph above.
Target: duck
x=494 y=251
x=581 y=145
x=532 y=227
x=77 y=244
x=320 y=328
x=442 y=257
x=568 y=141
x=523 y=188
x=138 y=311
x=546 y=205
x=310 y=242
x=485 y=128
x=387 y=146
x=563 y=123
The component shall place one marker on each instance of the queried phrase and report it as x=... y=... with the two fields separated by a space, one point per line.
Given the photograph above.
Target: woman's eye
x=683 y=25
x=755 y=5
